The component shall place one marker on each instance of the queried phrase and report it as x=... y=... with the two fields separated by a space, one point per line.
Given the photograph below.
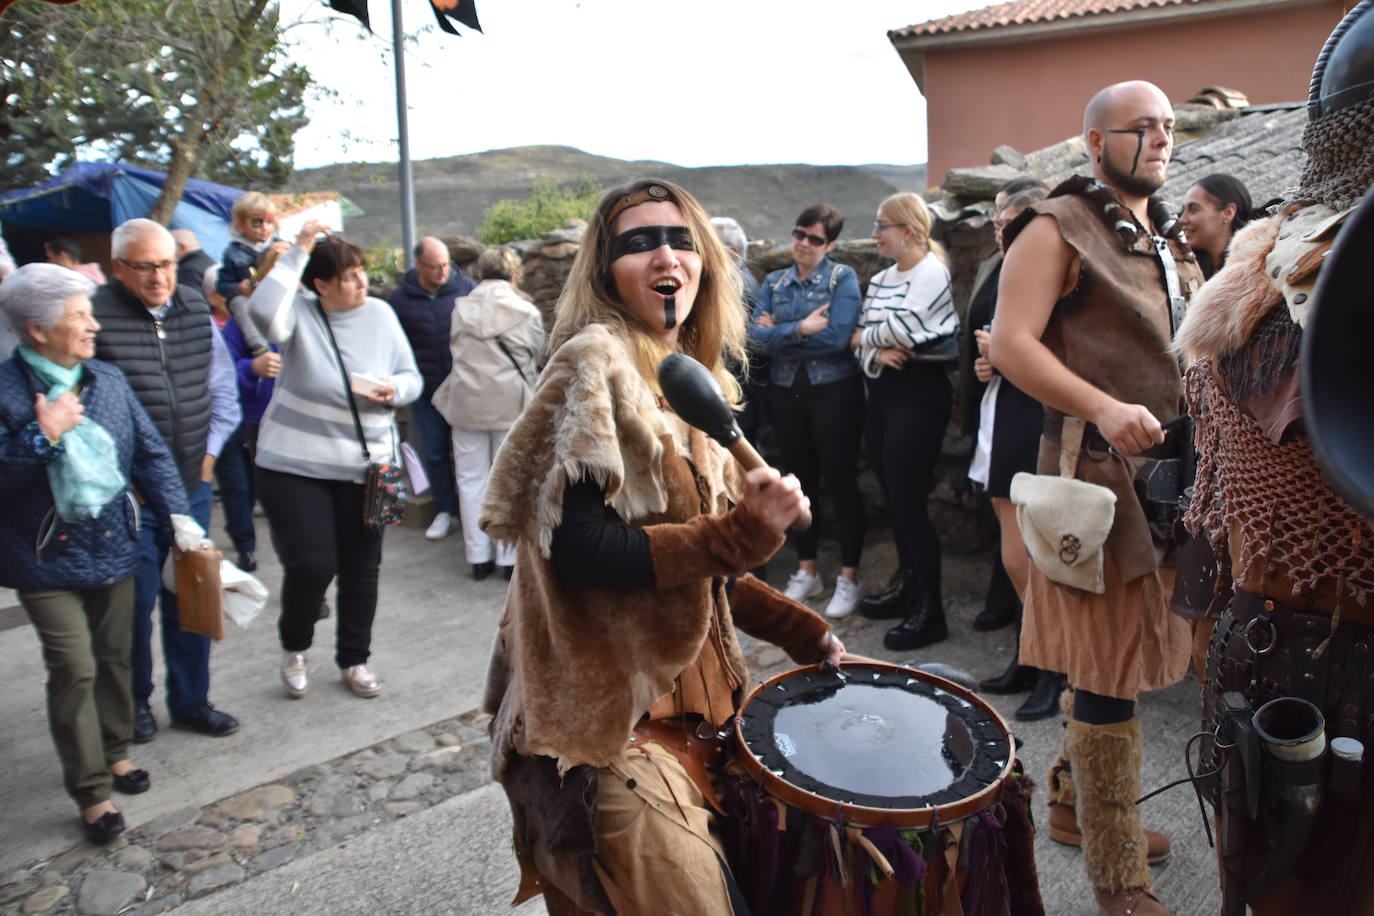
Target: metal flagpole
x=403 y=135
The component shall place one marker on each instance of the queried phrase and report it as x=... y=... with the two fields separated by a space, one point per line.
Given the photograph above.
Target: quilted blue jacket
x=38 y=550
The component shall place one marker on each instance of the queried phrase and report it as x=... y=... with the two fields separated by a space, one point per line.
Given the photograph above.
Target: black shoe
x=247 y=561
x=925 y=627
x=207 y=720
x=994 y=618
x=134 y=782
x=145 y=725
x=1043 y=703
x=481 y=570
x=891 y=602
x=506 y=572
x=104 y=828
x=1017 y=678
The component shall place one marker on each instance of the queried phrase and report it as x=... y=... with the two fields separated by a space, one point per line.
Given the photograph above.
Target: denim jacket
x=788 y=299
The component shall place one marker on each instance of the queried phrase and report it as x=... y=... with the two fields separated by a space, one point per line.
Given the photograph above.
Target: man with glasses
x=424 y=304
x=162 y=337
x=1091 y=289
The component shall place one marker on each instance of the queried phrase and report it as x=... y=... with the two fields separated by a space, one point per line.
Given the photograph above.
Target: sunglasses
x=802 y=236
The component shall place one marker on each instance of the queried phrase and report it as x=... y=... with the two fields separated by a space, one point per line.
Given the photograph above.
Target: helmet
x=1344 y=72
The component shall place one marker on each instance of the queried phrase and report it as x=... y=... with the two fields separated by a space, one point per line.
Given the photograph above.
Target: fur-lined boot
x=1106 y=782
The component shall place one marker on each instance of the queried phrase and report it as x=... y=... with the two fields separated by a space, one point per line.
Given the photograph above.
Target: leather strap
x=678 y=736
x=1070 y=445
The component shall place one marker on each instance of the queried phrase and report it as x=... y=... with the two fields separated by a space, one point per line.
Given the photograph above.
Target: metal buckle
x=1273 y=636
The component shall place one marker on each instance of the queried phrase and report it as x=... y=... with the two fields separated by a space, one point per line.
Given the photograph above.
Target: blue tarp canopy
x=98 y=196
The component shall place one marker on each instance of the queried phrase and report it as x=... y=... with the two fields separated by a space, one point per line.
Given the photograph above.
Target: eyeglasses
x=147 y=268
x=803 y=236
x=257 y=222
x=879 y=225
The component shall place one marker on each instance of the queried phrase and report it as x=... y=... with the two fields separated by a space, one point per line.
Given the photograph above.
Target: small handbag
x=1064 y=521
x=384 y=487
x=200 y=607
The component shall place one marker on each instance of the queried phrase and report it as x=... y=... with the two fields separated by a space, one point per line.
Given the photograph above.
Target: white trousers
x=473 y=451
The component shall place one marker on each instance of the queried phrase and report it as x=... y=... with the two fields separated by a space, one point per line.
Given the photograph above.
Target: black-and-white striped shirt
x=905 y=309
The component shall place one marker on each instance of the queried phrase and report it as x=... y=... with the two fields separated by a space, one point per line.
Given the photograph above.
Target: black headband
x=648 y=238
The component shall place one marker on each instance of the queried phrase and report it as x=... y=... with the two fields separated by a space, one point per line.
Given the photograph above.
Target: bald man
x=424 y=304
x=1092 y=288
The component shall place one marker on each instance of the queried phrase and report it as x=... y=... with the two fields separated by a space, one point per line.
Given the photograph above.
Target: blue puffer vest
x=38 y=550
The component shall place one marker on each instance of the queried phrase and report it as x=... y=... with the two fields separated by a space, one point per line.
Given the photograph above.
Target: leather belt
x=693 y=742
x=1175 y=432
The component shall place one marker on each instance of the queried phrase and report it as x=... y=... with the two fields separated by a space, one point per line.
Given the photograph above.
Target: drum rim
x=863 y=815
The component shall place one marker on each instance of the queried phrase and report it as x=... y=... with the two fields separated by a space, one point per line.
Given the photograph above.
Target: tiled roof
x=1028 y=12
x=287 y=204
x=1261 y=148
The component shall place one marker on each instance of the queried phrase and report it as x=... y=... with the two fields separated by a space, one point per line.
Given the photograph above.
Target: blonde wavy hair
x=715 y=327
x=909 y=210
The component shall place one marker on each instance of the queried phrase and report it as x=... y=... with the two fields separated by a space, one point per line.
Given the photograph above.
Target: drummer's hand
x=832 y=648
x=776 y=499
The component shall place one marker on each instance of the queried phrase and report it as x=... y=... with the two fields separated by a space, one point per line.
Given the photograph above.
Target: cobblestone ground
x=190 y=853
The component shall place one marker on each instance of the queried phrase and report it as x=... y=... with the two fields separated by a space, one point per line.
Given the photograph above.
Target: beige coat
x=485 y=390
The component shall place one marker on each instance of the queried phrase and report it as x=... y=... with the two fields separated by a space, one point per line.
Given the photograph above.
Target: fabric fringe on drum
x=787 y=860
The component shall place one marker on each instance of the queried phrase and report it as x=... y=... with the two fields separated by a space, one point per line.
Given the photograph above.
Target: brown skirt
x=1117 y=644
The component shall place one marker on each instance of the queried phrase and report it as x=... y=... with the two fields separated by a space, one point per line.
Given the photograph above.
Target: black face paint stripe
x=669 y=312
x=1140 y=133
x=647 y=238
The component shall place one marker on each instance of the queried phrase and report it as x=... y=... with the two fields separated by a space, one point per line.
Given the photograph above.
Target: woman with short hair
x=311 y=465
x=803 y=319
x=496 y=337
x=74 y=444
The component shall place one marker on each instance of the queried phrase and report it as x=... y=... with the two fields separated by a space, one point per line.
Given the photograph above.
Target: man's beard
x=1135 y=185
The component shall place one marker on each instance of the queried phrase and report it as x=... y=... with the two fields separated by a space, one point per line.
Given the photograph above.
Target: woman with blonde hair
x=905 y=341
x=630 y=528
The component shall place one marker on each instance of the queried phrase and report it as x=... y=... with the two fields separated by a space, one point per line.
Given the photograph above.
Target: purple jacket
x=254 y=390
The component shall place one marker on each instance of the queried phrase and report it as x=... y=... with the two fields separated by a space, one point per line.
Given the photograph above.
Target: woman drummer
x=617 y=640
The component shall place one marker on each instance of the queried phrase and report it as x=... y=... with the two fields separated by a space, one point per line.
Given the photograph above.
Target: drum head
x=874 y=737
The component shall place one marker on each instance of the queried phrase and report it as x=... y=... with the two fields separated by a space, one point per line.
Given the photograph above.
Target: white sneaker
x=294 y=675
x=360 y=680
x=441 y=527
x=846 y=598
x=803 y=585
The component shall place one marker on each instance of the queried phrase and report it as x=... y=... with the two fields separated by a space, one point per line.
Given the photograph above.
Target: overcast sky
x=690 y=82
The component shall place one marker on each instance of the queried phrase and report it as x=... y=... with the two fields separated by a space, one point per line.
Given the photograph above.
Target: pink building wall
x=1031 y=95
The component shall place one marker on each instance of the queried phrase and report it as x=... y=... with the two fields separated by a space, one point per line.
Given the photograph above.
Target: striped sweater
x=308 y=428
x=905 y=309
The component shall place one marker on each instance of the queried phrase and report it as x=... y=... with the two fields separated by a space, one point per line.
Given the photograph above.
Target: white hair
x=208 y=281
x=131 y=231
x=37 y=294
x=731 y=235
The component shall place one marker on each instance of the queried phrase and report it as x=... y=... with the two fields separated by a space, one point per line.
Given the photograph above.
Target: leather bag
x=199 y=601
x=1064 y=521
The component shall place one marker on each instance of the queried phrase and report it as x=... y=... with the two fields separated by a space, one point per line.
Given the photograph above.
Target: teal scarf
x=86 y=476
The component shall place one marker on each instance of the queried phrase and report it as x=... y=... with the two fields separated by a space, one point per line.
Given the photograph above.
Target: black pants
x=908 y=411
x=318 y=533
x=819 y=428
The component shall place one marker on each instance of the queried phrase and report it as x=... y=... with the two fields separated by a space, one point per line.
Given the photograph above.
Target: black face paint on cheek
x=648 y=238
x=1139 y=145
x=669 y=312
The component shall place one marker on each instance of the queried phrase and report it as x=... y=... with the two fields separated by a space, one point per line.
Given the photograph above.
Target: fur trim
x=1106 y=773
x=1225 y=312
x=591 y=415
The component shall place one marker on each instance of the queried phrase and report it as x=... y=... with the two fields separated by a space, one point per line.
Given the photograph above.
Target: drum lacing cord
x=1193 y=778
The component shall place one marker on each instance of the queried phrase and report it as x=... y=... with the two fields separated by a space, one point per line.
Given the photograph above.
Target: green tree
x=197 y=88
x=548 y=207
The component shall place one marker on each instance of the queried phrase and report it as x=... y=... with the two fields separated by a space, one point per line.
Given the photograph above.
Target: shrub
x=386 y=264
x=548 y=207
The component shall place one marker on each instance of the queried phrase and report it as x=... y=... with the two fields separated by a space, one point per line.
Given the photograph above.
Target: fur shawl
x=1224 y=314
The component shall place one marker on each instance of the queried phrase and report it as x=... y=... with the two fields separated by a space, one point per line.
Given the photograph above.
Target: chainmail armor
x=1289 y=518
x=1340 y=157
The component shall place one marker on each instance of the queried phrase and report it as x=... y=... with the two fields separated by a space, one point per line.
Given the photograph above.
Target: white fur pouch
x=1064 y=523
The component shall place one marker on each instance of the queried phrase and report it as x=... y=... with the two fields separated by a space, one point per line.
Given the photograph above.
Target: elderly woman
x=1215 y=208
x=803 y=319
x=496 y=337
x=618 y=632
x=905 y=344
x=74 y=446
x=317 y=438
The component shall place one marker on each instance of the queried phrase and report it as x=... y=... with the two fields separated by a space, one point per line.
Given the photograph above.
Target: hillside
x=450 y=194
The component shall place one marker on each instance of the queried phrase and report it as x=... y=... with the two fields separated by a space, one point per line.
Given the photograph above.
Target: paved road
x=431 y=642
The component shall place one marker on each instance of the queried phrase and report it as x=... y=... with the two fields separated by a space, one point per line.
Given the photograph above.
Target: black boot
x=1018 y=678
x=892 y=601
x=925 y=626
x=1044 y=699
x=1000 y=606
